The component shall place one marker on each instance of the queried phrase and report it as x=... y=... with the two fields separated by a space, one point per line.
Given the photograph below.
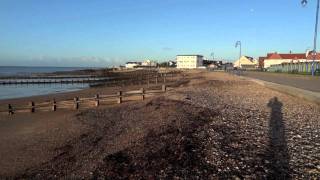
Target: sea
x=28 y=70
x=26 y=90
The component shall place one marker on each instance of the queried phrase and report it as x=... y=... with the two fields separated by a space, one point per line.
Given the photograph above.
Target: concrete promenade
x=299 y=81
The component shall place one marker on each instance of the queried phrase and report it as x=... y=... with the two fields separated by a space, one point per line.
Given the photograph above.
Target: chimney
x=290 y=52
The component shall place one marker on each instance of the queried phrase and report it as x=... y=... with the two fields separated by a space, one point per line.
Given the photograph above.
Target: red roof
x=286 y=56
x=274 y=56
x=293 y=56
x=311 y=57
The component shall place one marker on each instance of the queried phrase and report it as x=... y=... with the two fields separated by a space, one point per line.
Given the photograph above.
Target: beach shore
x=211 y=125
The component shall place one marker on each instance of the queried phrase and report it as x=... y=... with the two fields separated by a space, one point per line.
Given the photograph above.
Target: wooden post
x=164 y=78
x=156 y=79
x=76 y=103
x=32 y=108
x=97 y=102
x=164 y=88
x=10 y=109
x=54 y=105
x=120 y=97
x=142 y=94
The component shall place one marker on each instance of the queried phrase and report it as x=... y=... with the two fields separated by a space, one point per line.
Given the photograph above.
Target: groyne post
x=32 y=107
x=164 y=88
x=54 y=105
x=10 y=109
x=76 y=103
x=142 y=94
x=119 y=97
x=97 y=101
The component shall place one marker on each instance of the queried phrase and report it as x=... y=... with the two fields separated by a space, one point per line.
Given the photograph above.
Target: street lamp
x=238 y=43
x=314 y=52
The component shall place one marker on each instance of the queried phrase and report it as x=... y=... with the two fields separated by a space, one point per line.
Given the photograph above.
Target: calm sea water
x=17 y=91
x=21 y=70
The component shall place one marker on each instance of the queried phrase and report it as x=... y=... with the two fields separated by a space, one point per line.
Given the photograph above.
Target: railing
x=84 y=102
x=295 y=68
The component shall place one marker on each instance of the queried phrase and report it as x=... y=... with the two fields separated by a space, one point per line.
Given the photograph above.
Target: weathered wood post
x=76 y=103
x=119 y=97
x=97 y=101
x=10 y=109
x=164 y=88
x=157 y=79
x=142 y=94
x=32 y=107
x=54 y=105
x=164 y=78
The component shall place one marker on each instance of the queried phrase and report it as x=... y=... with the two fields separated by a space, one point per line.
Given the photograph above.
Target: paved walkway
x=299 y=81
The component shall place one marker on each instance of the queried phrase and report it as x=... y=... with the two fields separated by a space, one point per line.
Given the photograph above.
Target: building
x=149 y=63
x=172 y=64
x=261 y=62
x=246 y=62
x=276 y=59
x=189 y=61
x=130 y=65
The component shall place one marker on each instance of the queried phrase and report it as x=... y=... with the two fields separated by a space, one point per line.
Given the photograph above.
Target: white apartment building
x=189 y=61
x=130 y=65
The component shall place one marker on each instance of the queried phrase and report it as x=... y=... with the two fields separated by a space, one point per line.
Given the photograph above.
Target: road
x=299 y=81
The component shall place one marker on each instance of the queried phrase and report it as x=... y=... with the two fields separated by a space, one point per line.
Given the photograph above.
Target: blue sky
x=105 y=32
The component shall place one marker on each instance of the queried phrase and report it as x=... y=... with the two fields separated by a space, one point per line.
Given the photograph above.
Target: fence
x=298 y=68
x=78 y=102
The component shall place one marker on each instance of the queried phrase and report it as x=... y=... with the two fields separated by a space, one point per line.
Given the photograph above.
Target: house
x=275 y=58
x=149 y=63
x=130 y=65
x=246 y=62
x=189 y=61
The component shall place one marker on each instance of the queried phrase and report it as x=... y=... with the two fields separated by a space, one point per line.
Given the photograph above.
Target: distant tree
x=164 y=64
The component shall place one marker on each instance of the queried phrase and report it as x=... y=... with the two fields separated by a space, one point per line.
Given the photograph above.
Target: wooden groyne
x=83 y=102
x=52 y=81
x=143 y=76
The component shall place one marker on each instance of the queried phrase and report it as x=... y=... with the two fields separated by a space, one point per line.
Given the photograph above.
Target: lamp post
x=238 y=43
x=314 y=52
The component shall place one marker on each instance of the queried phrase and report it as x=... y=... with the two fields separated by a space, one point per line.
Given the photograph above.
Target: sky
x=99 y=33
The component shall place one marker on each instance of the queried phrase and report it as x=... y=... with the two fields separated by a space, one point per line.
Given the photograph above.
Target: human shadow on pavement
x=277 y=153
